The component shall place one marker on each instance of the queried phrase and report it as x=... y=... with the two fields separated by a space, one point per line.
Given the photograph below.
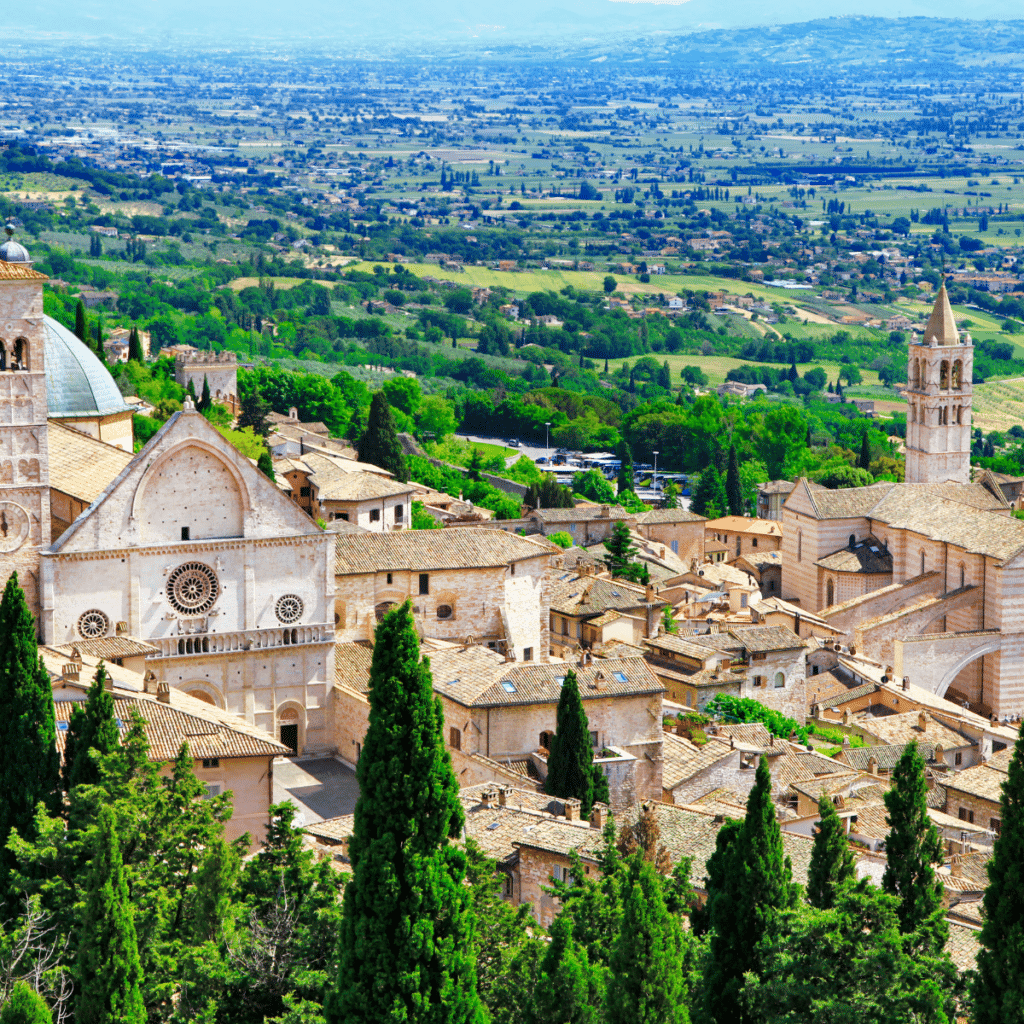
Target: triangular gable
x=187 y=470
x=800 y=499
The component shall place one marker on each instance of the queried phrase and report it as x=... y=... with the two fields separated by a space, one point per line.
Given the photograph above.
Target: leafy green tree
x=569 y=989
x=749 y=884
x=670 y=495
x=851 y=374
x=850 y=964
x=710 y=499
x=592 y=484
x=733 y=486
x=379 y=444
x=254 y=411
x=265 y=464
x=913 y=847
x=561 y=538
x=81 y=325
x=571 y=768
x=780 y=438
x=668 y=620
x=25 y=1006
x=92 y=734
x=108 y=972
x=609 y=284
x=647 y=983
x=436 y=417
x=407 y=935
x=832 y=860
x=29 y=764
x=998 y=988
x=135 y=354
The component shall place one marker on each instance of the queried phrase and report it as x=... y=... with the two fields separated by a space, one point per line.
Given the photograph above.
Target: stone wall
x=350 y=718
x=683 y=539
x=986 y=813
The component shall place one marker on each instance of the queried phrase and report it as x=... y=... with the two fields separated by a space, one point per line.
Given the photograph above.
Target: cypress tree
x=81 y=328
x=29 y=763
x=571 y=768
x=999 y=984
x=93 y=728
x=625 y=480
x=134 y=346
x=749 y=885
x=99 y=337
x=620 y=547
x=265 y=464
x=108 y=973
x=913 y=846
x=646 y=984
x=190 y=390
x=25 y=1006
x=569 y=989
x=379 y=444
x=710 y=498
x=406 y=936
x=205 y=401
x=733 y=487
x=865 y=452
x=832 y=860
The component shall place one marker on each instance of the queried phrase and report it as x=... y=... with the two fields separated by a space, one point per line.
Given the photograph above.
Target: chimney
x=906 y=682
x=922 y=721
x=69 y=673
x=572 y=809
x=598 y=815
x=846 y=743
x=649 y=594
x=846 y=716
x=606 y=511
x=163 y=693
x=504 y=792
x=598 y=679
x=872 y=765
x=108 y=683
x=955 y=868
x=149 y=681
x=940 y=754
x=487 y=797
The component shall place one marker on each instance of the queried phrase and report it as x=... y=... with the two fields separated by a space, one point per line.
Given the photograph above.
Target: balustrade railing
x=242 y=640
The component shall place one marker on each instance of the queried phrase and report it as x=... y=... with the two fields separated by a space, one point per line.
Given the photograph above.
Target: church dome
x=12 y=251
x=77 y=383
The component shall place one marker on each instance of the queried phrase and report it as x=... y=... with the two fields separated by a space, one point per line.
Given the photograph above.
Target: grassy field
x=716 y=367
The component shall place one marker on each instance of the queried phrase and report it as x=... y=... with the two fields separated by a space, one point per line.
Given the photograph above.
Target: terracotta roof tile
x=82 y=466
x=19 y=272
x=683 y=759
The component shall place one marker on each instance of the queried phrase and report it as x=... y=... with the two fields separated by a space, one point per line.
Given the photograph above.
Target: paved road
x=320 y=788
x=529 y=450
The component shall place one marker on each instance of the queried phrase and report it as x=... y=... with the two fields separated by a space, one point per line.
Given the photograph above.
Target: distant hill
x=400 y=22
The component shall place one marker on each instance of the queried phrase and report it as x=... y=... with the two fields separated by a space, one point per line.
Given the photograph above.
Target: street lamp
x=654 y=482
x=547 y=441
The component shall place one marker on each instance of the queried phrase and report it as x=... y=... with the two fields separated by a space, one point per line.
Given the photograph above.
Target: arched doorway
x=289 y=724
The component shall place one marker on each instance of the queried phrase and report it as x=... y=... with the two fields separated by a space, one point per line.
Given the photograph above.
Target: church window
x=958 y=375
x=454 y=738
x=830 y=593
x=185 y=533
x=192 y=588
x=944 y=375
x=959 y=414
x=93 y=624
x=424 y=583
x=780 y=680
x=963 y=575
x=20 y=360
x=374 y=515
x=938 y=417
x=3 y=356
x=922 y=563
x=799 y=545
x=399 y=513
x=444 y=611
x=390 y=578
x=289 y=608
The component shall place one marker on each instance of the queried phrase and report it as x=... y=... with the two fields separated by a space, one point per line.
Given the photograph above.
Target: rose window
x=289 y=608
x=192 y=588
x=93 y=624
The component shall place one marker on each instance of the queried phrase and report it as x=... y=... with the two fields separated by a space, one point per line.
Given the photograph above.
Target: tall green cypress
x=29 y=763
x=92 y=731
x=913 y=846
x=81 y=327
x=733 y=486
x=832 y=860
x=710 y=498
x=406 y=937
x=108 y=972
x=379 y=444
x=625 y=480
x=865 y=452
x=134 y=346
x=569 y=989
x=998 y=989
x=647 y=984
x=25 y=1006
x=749 y=885
x=190 y=390
x=265 y=464
x=571 y=768
x=205 y=399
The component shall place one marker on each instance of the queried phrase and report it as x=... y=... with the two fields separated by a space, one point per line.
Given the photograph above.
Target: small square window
x=185 y=531
x=212 y=790
x=389 y=579
x=399 y=512
x=211 y=762
x=958 y=758
x=374 y=515
x=304 y=492
x=994 y=825
x=424 y=583
x=527 y=654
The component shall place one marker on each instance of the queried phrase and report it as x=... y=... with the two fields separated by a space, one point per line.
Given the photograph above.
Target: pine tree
x=733 y=486
x=913 y=846
x=647 y=983
x=620 y=547
x=81 y=327
x=571 y=768
x=832 y=860
x=25 y=1006
x=101 y=354
x=625 y=480
x=29 y=763
x=205 y=401
x=134 y=346
x=710 y=498
x=91 y=732
x=379 y=444
x=865 y=452
x=569 y=989
x=108 y=973
x=265 y=464
x=749 y=885
x=998 y=989
x=406 y=937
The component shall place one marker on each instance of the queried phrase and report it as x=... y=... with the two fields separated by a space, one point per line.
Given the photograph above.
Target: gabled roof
x=668 y=515
x=868 y=557
x=82 y=466
x=580 y=514
x=763 y=639
x=683 y=759
x=593 y=595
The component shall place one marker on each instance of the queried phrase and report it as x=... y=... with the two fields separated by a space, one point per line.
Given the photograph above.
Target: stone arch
x=206 y=495
x=447 y=599
x=957 y=667
x=944 y=375
x=382 y=608
x=958 y=374
x=291 y=713
x=917 y=373
x=202 y=690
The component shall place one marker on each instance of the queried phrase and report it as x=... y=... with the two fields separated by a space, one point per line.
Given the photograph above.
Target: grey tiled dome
x=77 y=383
x=14 y=252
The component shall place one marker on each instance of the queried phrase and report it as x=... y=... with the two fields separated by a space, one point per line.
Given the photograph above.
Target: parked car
x=513 y=442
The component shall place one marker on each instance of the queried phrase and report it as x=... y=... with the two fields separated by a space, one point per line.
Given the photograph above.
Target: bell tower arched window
x=958 y=374
x=944 y=375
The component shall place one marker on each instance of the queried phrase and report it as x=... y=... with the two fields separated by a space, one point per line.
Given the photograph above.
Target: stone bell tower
x=939 y=373
x=24 y=465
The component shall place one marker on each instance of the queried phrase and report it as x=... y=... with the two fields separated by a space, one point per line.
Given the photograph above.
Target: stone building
x=675 y=528
x=744 y=536
x=220 y=369
x=489 y=586
x=586 y=524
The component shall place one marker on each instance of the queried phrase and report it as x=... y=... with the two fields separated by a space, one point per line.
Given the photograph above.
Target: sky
x=348 y=23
